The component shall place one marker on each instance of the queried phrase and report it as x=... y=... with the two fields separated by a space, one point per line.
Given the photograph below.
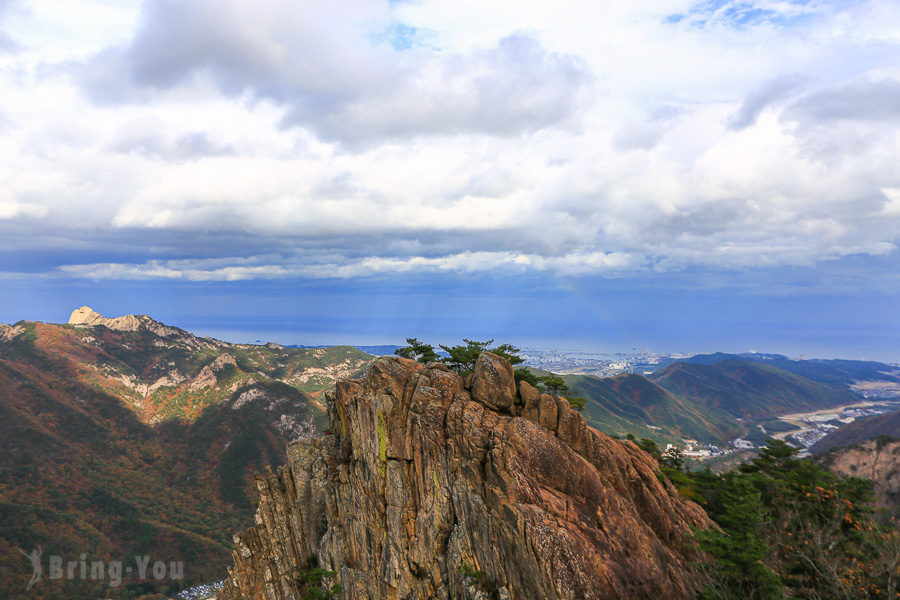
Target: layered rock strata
x=429 y=487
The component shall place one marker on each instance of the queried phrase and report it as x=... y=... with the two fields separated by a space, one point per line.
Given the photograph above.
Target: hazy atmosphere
x=678 y=176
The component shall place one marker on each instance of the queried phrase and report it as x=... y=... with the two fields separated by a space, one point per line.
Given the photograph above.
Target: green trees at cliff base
x=788 y=529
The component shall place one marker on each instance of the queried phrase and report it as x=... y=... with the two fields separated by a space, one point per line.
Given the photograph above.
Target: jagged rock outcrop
x=208 y=375
x=86 y=316
x=8 y=332
x=421 y=480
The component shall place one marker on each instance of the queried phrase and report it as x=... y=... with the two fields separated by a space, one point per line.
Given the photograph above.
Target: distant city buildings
x=576 y=362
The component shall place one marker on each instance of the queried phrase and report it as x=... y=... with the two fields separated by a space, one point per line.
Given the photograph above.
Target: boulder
x=493 y=383
x=548 y=412
x=531 y=398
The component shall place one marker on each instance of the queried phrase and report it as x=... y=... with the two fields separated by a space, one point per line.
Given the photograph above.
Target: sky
x=673 y=175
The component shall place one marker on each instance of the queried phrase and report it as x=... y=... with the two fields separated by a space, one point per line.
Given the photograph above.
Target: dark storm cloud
x=334 y=82
x=772 y=91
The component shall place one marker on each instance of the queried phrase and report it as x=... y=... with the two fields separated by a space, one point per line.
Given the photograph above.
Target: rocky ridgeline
x=87 y=317
x=434 y=486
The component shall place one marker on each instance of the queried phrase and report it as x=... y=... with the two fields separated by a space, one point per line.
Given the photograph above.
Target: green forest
x=787 y=528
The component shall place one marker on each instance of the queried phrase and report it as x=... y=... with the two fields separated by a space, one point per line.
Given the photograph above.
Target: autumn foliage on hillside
x=92 y=461
x=789 y=529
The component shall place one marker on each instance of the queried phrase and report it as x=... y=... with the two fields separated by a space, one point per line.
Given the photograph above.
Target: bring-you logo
x=113 y=571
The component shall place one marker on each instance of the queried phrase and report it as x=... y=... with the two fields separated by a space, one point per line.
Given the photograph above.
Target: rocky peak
x=430 y=486
x=87 y=317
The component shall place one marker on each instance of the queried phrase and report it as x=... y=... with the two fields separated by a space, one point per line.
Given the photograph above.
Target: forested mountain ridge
x=839 y=373
x=630 y=403
x=126 y=437
x=748 y=389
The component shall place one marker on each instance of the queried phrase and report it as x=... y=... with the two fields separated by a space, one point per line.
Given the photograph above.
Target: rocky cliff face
x=877 y=459
x=435 y=486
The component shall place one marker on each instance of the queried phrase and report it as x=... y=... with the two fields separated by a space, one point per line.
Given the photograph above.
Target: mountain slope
x=860 y=431
x=876 y=459
x=126 y=437
x=79 y=472
x=834 y=372
x=629 y=403
x=749 y=390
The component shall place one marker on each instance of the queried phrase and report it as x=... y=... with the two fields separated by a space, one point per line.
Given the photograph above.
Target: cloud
x=846 y=121
x=12 y=209
x=482 y=138
x=314 y=62
x=772 y=91
x=638 y=136
x=613 y=264
x=863 y=101
x=646 y=134
x=7 y=44
x=147 y=136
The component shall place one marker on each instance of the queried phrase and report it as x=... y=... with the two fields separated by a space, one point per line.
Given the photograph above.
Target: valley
x=808 y=428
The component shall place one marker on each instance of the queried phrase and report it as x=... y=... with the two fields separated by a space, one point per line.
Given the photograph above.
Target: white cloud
x=487 y=136
x=237 y=269
x=8 y=210
x=333 y=79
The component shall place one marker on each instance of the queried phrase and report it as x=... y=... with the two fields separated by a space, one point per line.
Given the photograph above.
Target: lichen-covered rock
x=419 y=486
x=493 y=383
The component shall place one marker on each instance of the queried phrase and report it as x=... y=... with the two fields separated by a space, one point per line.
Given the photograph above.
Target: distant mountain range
x=746 y=389
x=702 y=400
x=834 y=372
x=379 y=350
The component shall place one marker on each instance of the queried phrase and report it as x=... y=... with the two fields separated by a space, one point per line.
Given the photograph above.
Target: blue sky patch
x=403 y=37
x=739 y=14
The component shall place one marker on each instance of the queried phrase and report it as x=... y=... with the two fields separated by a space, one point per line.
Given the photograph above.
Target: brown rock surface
x=531 y=399
x=419 y=481
x=549 y=413
x=877 y=459
x=493 y=383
